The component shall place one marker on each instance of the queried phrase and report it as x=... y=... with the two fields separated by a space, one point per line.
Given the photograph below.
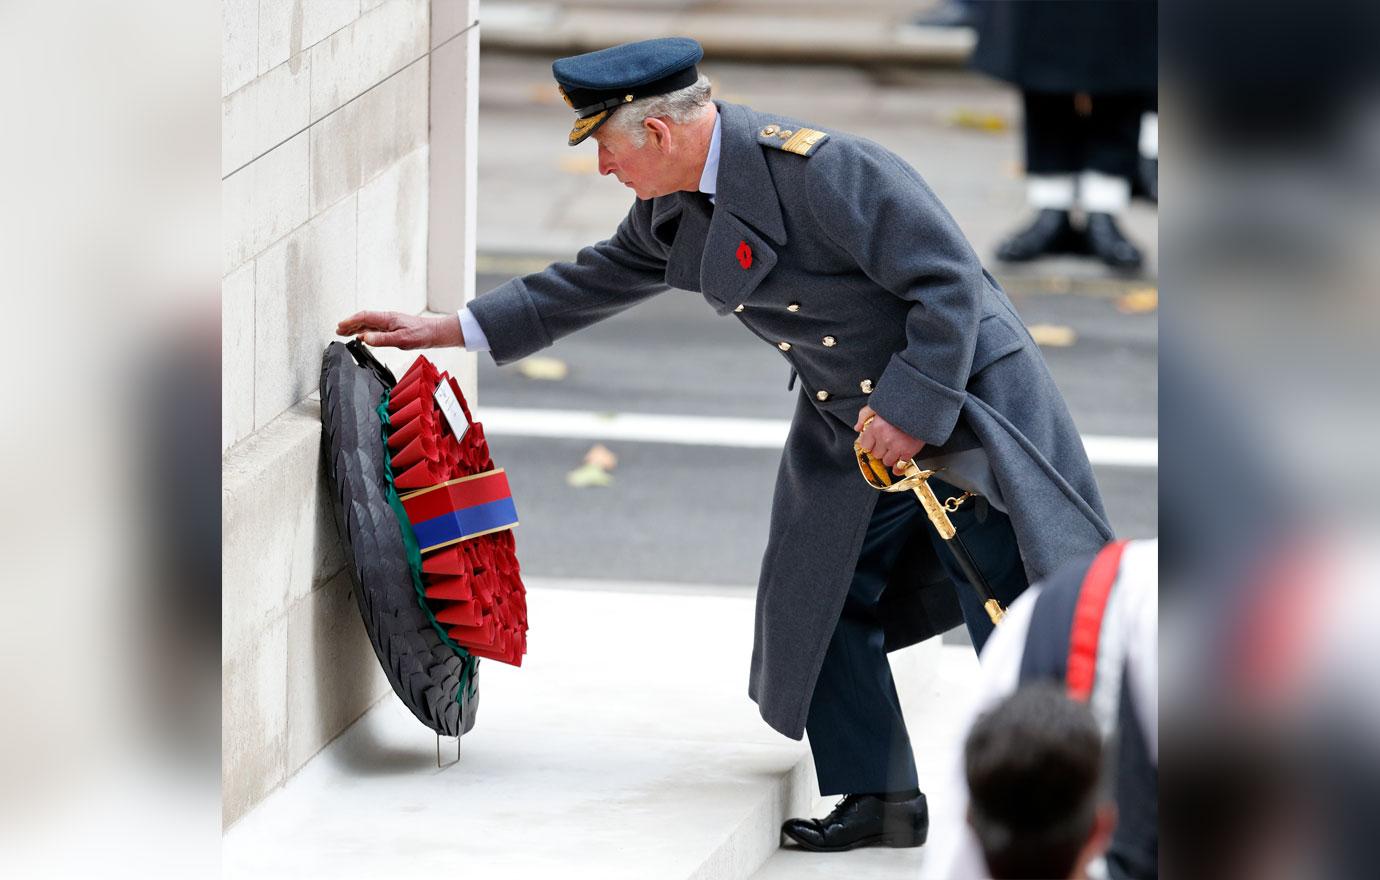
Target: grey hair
x=681 y=106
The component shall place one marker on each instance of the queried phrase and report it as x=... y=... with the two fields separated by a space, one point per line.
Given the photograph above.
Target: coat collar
x=744 y=186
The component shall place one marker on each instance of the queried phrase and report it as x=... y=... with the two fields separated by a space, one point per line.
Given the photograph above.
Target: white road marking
x=1109 y=451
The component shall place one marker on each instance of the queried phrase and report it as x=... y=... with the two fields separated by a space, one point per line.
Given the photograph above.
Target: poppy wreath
x=437 y=599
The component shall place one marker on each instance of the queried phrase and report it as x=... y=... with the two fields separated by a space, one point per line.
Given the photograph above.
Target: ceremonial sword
x=878 y=476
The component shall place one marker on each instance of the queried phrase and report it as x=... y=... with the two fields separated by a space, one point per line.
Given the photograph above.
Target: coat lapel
x=690 y=228
x=747 y=226
x=735 y=261
x=666 y=218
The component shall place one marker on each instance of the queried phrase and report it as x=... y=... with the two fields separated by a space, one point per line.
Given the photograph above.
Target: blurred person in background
x=1092 y=629
x=1087 y=71
x=1034 y=765
x=946 y=14
x=1272 y=708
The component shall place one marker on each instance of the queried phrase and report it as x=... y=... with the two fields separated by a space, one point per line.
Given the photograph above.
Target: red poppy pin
x=744 y=255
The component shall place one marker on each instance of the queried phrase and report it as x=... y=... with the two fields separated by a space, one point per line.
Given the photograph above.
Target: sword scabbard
x=917 y=480
x=934 y=510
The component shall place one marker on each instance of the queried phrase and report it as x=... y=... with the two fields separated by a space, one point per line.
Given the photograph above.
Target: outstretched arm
x=530 y=313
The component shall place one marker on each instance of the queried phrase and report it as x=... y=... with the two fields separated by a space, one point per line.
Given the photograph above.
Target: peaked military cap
x=596 y=83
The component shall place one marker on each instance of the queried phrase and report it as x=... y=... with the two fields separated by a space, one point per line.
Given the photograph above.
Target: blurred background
x=111 y=242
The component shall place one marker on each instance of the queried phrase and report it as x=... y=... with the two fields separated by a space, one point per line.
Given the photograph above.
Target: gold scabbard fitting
x=994 y=611
x=916 y=480
x=953 y=504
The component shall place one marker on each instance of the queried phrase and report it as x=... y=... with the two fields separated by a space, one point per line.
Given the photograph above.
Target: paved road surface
x=698 y=515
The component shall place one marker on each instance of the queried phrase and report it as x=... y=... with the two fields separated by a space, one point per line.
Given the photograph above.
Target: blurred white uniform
x=1129 y=641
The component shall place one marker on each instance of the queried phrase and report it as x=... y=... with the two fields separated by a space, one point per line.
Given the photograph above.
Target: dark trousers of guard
x=857 y=734
x=1064 y=136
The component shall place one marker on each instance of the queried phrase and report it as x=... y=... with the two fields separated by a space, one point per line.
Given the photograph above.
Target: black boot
x=1050 y=233
x=863 y=820
x=1106 y=242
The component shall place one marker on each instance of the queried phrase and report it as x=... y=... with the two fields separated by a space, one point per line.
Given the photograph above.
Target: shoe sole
x=894 y=840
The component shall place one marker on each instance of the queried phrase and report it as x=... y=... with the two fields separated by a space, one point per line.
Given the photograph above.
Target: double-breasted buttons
x=793 y=307
x=866 y=386
x=821 y=395
x=770 y=130
x=784 y=346
x=829 y=342
x=739 y=307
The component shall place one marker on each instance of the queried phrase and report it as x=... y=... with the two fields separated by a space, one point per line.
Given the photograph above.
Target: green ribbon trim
x=414 y=564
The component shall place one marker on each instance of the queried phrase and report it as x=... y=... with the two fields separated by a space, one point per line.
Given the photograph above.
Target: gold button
x=866 y=386
x=739 y=308
x=821 y=395
x=770 y=130
x=829 y=342
x=793 y=307
x=784 y=346
x=785 y=133
x=627 y=99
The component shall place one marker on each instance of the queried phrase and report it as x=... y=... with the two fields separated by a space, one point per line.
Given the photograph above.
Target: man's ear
x=658 y=132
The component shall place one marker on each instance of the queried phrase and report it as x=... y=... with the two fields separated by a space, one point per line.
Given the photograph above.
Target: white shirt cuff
x=475 y=340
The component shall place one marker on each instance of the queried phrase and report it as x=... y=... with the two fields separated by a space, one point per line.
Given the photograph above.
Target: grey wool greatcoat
x=847 y=242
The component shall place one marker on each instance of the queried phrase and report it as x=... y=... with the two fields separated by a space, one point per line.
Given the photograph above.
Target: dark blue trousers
x=856 y=731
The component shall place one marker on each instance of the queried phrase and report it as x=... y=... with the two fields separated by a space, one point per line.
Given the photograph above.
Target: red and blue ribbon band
x=461 y=509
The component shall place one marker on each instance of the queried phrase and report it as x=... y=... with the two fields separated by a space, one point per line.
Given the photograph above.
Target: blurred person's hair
x=1034 y=764
x=680 y=106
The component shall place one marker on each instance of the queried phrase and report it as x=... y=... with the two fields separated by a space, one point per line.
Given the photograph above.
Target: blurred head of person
x=1034 y=764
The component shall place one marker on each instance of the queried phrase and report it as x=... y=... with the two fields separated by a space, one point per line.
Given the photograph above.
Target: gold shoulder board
x=801 y=141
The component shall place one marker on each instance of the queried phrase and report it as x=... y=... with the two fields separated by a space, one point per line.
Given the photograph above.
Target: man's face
x=647 y=170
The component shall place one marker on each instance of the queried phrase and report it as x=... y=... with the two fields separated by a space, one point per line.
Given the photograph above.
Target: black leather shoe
x=1106 y=242
x=863 y=820
x=1050 y=233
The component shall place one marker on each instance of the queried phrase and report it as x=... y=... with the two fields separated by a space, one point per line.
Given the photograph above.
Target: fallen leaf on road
x=600 y=456
x=587 y=475
x=599 y=460
x=978 y=120
x=543 y=368
x=1139 y=301
x=1053 y=335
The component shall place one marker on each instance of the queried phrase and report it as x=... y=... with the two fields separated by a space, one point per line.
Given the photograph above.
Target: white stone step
x=625 y=746
x=862 y=864
x=933 y=683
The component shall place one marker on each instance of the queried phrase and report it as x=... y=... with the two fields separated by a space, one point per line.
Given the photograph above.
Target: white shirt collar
x=709 y=180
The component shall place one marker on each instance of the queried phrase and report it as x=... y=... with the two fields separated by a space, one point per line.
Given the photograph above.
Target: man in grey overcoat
x=835 y=252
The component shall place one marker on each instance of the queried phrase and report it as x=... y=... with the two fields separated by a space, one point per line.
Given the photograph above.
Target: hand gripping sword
x=878 y=476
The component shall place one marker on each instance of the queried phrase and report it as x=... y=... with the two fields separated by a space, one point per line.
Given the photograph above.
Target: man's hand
x=886 y=441
x=400 y=330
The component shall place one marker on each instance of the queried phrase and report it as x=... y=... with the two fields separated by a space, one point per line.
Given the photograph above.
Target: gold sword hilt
x=916 y=480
